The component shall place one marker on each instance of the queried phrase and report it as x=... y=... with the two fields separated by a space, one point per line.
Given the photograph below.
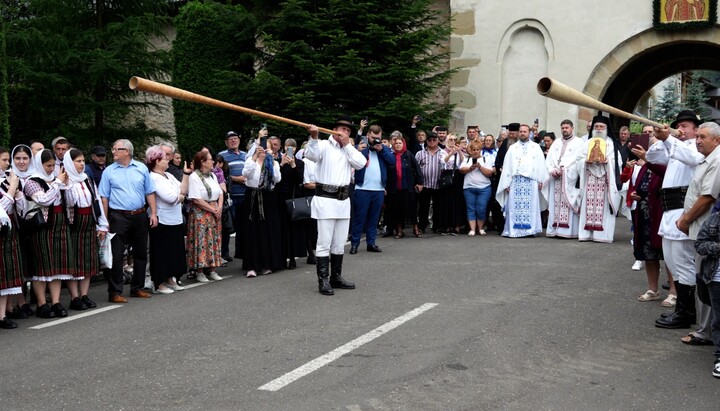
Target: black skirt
x=262 y=244
x=167 y=252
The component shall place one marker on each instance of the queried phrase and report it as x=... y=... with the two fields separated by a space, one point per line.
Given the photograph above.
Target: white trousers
x=680 y=258
x=332 y=235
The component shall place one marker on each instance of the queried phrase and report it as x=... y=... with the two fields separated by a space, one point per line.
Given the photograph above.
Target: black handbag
x=298 y=208
x=446 y=176
x=228 y=226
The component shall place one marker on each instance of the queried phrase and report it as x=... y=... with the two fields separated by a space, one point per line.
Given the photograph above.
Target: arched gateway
x=608 y=50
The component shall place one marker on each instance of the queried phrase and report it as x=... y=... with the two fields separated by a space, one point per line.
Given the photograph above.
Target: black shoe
x=666 y=286
x=674 y=321
x=88 y=302
x=45 y=311
x=59 y=310
x=77 y=304
x=311 y=260
x=8 y=324
x=17 y=314
x=227 y=258
x=323 y=274
x=336 y=279
x=353 y=249
x=27 y=310
x=292 y=265
x=372 y=248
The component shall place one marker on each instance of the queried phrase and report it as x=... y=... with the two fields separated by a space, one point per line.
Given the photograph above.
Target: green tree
x=695 y=96
x=323 y=58
x=69 y=65
x=668 y=104
x=4 y=104
x=213 y=40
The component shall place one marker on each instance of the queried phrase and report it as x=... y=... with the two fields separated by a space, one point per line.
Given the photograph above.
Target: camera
x=376 y=141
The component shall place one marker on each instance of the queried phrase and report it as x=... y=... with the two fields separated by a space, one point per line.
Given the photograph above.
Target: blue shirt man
x=235 y=160
x=369 y=191
x=125 y=189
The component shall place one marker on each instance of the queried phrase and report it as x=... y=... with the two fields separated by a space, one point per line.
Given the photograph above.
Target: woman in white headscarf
x=21 y=158
x=52 y=249
x=87 y=224
x=11 y=263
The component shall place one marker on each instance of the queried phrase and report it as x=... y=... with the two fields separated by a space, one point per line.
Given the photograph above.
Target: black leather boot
x=323 y=265
x=684 y=314
x=336 y=279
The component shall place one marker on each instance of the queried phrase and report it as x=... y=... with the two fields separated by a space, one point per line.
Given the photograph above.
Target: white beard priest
x=599 y=166
x=563 y=195
x=522 y=190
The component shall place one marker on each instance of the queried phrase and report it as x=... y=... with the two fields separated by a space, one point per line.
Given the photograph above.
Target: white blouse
x=197 y=190
x=252 y=173
x=167 y=198
x=78 y=194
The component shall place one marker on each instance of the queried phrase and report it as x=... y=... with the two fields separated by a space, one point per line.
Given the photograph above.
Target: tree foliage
x=69 y=65
x=324 y=58
x=668 y=104
x=695 y=96
x=4 y=105
x=212 y=40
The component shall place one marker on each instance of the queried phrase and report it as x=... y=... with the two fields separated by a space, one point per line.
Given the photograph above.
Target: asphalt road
x=518 y=324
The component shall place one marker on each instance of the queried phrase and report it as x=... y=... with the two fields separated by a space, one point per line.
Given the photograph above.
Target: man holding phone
x=235 y=160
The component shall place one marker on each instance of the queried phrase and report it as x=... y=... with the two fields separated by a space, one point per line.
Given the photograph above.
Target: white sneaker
x=200 y=277
x=174 y=287
x=637 y=266
x=163 y=291
x=483 y=232
x=214 y=276
x=471 y=234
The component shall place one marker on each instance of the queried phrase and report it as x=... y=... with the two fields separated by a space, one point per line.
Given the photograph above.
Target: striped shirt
x=430 y=166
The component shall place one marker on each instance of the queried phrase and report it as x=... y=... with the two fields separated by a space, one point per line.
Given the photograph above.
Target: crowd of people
x=57 y=209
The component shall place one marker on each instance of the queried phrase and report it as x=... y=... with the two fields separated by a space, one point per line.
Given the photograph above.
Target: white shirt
x=475 y=178
x=681 y=158
x=252 y=172
x=78 y=194
x=167 y=198
x=310 y=170
x=197 y=190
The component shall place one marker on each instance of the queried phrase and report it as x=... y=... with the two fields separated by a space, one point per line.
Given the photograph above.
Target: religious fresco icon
x=683 y=14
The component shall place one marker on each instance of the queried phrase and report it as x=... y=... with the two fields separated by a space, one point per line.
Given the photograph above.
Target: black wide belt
x=673 y=198
x=329 y=191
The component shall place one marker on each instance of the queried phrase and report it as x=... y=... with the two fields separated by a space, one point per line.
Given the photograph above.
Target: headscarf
x=38 y=169
x=70 y=169
x=398 y=163
x=30 y=169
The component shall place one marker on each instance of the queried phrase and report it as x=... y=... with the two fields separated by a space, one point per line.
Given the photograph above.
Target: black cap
x=686 y=115
x=514 y=127
x=98 y=151
x=231 y=134
x=345 y=121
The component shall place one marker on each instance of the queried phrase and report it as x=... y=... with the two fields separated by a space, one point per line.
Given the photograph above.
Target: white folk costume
x=523 y=171
x=681 y=158
x=563 y=195
x=334 y=168
x=600 y=195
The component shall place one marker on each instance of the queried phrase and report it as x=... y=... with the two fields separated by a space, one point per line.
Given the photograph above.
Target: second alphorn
x=142 y=84
x=558 y=91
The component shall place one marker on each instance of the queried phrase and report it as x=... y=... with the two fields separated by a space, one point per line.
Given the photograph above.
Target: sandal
x=400 y=235
x=418 y=233
x=649 y=296
x=692 y=339
x=670 y=301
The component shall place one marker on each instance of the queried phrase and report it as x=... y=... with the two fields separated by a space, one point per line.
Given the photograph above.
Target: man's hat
x=514 y=127
x=98 y=151
x=58 y=139
x=430 y=135
x=686 y=115
x=231 y=134
x=345 y=121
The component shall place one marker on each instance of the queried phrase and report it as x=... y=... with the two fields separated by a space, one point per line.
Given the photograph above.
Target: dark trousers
x=235 y=212
x=366 y=208
x=714 y=290
x=424 y=198
x=129 y=230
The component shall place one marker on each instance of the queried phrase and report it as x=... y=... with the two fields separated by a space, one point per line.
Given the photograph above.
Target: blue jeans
x=714 y=289
x=366 y=208
x=476 y=201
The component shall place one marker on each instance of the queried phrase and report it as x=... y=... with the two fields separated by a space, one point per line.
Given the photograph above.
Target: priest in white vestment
x=598 y=186
x=522 y=190
x=563 y=195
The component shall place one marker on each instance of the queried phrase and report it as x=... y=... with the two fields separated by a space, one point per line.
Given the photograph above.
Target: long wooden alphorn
x=558 y=91
x=139 y=83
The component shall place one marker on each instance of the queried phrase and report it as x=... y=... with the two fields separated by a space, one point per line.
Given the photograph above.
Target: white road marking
x=75 y=317
x=193 y=285
x=333 y=355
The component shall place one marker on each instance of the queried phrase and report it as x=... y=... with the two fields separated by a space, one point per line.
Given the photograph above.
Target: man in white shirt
x=336 y=157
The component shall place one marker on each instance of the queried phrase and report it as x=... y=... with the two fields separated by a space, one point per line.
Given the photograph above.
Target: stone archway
x=640 y=62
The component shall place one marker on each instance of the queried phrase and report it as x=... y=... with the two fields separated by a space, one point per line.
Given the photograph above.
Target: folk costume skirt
x=167 y=252
x=84 y=239
x=11 y=266
x=53 y=252
x=204 y=239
